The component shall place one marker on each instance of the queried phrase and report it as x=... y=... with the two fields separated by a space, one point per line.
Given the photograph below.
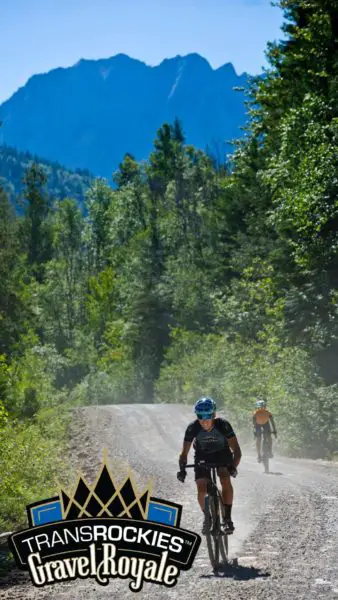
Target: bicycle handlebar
x=204 y=463
x=209 y=465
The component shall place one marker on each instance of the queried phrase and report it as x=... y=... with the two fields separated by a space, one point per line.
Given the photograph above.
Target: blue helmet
x=260 y=403
x=205 y=408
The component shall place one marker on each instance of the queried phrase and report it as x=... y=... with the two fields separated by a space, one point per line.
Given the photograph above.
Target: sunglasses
x=204 y=416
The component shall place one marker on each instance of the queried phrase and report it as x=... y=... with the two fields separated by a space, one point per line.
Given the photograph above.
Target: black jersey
x=209 y=441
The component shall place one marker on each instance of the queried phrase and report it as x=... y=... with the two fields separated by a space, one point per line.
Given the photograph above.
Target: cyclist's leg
x=227 y=497
x=227 y=489
x=201 y=491
x=267 y=431
x=201 y=484
x=259 y=442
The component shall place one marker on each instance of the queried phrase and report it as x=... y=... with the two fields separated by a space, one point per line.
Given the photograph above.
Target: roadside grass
x=32 y=465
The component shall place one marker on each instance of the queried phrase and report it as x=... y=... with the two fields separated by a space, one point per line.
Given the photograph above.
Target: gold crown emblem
x=105 y=498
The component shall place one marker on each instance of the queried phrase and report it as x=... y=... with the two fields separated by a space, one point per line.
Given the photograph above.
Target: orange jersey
x=262 y=416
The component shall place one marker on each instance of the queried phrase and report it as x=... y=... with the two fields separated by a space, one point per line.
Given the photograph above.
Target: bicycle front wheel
x=213 y=532
x=223 y=540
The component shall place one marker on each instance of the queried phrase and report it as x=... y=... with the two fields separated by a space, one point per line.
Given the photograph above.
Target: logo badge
x=105 y=531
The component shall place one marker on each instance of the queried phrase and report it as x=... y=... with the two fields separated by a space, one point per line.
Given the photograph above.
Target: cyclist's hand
x=233 y=471
x=181 y=475
x=275 y=434
x=254 y=433
x=182 y=461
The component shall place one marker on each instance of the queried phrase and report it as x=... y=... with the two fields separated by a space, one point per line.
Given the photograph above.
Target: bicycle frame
x=217 y=540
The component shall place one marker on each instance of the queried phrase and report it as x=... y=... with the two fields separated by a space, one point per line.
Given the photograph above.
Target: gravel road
x=286 y=537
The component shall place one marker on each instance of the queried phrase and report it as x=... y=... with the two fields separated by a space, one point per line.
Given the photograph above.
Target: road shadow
x=274 y=473
x=237 y=572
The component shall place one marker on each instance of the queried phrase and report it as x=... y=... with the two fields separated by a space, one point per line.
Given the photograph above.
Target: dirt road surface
x=286 y=537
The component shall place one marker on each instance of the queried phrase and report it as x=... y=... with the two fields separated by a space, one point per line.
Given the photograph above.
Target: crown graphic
x=105 y=498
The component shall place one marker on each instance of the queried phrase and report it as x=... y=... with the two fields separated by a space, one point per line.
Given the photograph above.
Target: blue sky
x=39 y=35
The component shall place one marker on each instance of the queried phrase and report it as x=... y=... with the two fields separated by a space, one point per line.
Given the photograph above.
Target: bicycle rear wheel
x=266 y=455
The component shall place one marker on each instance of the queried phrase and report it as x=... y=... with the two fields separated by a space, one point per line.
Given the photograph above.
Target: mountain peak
x=120 y=58
x=195 y=58
x=89 y=115
x=227 y=68
x=192 y=59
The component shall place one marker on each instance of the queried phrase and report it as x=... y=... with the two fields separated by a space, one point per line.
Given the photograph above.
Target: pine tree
x=37 y=228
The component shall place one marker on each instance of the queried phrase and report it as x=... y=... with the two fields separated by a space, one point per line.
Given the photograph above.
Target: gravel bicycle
x=214 y=512
x=266 y=451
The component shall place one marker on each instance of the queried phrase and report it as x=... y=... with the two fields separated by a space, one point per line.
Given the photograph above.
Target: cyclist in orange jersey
x=263 y=421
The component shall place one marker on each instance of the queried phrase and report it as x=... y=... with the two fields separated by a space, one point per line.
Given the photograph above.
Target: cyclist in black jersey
x=213 y=440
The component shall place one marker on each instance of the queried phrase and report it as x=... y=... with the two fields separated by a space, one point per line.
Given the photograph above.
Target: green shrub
x=30 y=463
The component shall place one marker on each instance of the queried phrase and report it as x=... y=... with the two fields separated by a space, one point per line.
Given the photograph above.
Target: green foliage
x=303 y=177
x=305 y=63
x=36 y=230
x=30 y=467
x=111 y=384
x=61 y=182
x=98 y=202
x=129 y=171
x=30 y=381
x=13 y=307
x=252 y=305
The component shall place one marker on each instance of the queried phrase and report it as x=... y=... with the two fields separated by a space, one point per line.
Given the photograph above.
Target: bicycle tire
x=213 y=545
x=223 y=540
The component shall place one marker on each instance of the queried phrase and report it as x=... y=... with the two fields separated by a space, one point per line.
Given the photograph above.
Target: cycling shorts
x=262 y=428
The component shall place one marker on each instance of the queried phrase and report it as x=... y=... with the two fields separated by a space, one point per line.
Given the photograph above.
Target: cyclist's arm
x=232 y=441
x=184 y=453
x=273 y=424
x=188 y=439
x=234 y=445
